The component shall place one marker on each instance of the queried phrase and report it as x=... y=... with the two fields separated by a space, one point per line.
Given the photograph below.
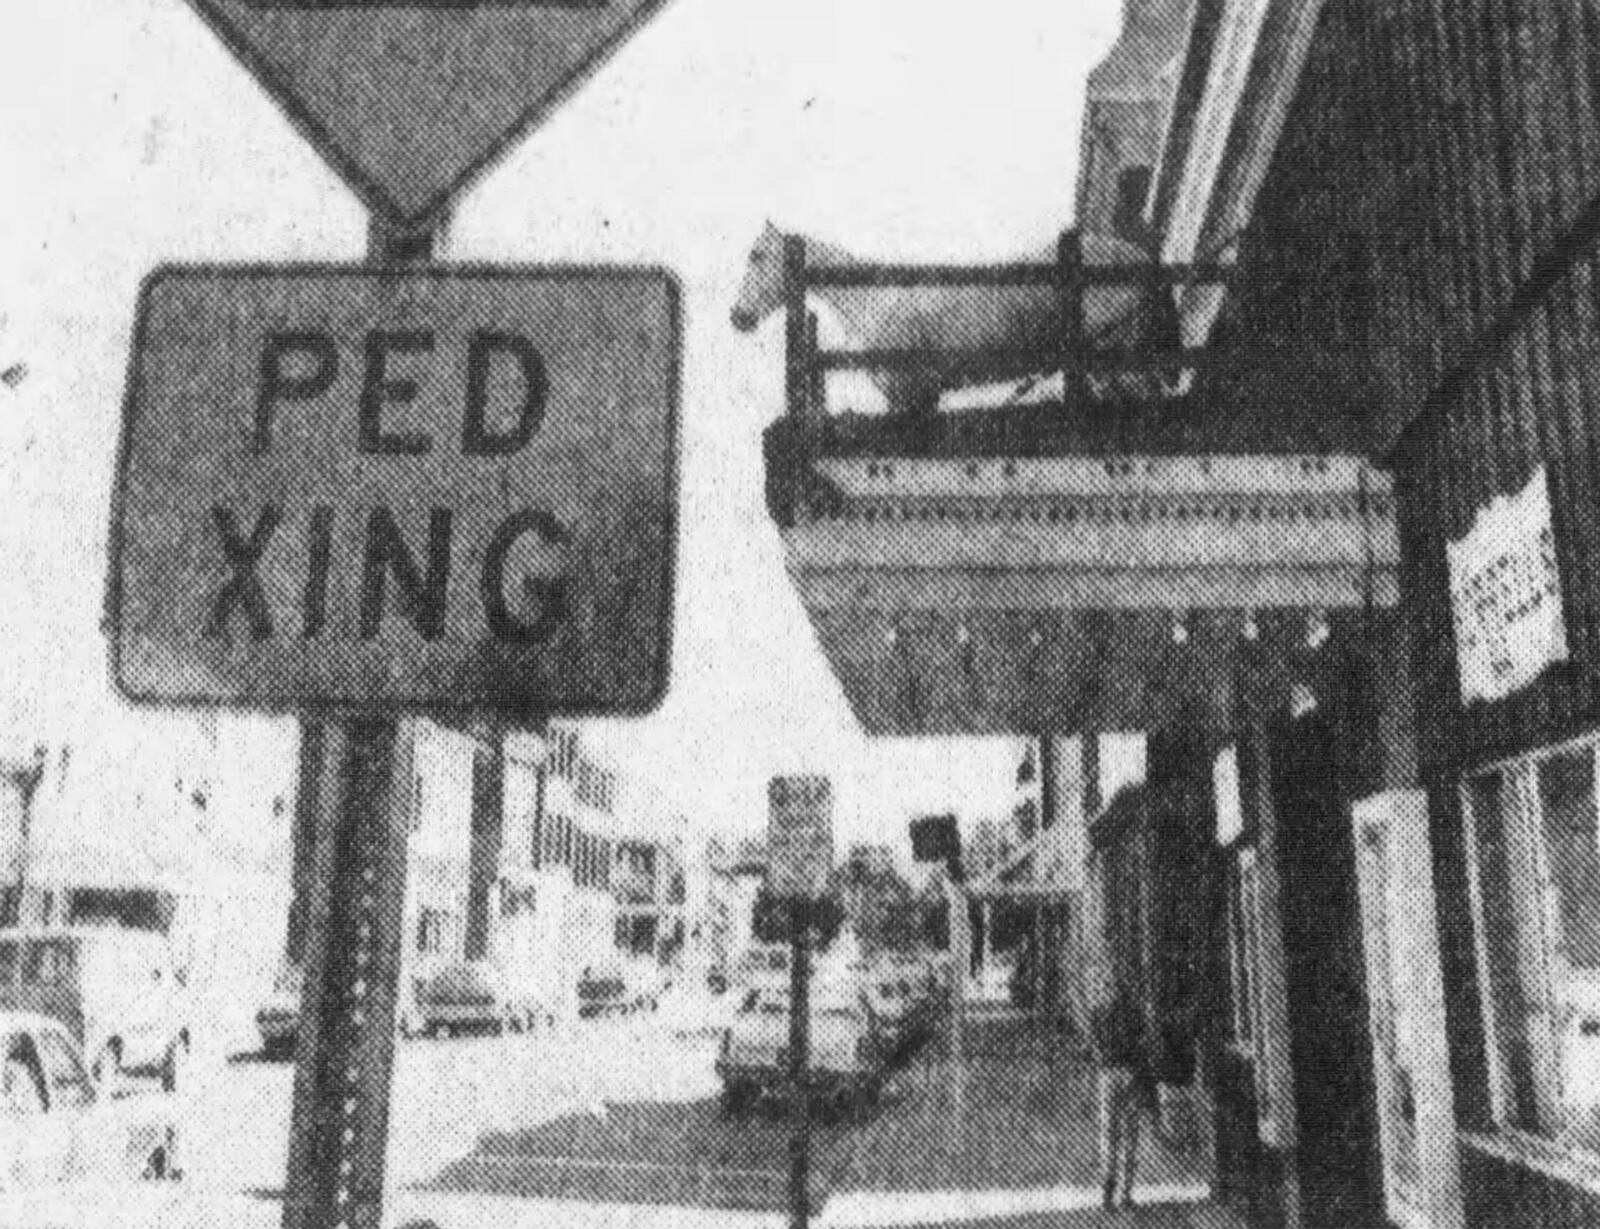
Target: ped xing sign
x=437 y=488
x=410 y=99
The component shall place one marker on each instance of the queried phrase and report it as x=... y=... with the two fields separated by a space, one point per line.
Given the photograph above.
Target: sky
x=898 y=128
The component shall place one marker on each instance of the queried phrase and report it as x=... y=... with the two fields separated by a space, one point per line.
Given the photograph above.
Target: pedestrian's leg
x=1110 y=1133
x=1136 y=1110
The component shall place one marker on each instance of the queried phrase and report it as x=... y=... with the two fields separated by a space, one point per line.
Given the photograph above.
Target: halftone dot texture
x=411 y=101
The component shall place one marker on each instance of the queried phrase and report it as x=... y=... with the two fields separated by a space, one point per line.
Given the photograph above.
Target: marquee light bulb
x=1317 y=630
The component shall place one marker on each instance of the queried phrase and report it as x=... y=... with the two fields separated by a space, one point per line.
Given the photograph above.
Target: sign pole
x=339 y=1131
x=961 y=958
x=345 y=1049
x=799 y=1061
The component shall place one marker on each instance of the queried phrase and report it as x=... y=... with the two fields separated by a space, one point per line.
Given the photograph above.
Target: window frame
x=1523 y=838
x=63 y=1069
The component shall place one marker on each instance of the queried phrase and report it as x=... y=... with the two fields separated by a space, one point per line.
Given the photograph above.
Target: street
x=617 y=1121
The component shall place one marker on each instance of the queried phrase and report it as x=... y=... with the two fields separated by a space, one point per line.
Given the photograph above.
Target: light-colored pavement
x=447 y=1096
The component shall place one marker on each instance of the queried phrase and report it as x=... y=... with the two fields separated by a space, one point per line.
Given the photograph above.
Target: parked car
x=119 y=993
x=929 y=984
x=846 y=1066
x=619 y=987
x=57 y=1125
x=894 y=1011
x=466 y=996
x=278 y=1019
x=762 y=964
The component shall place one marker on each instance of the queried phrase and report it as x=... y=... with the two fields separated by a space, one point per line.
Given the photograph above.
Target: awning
x=994 y=595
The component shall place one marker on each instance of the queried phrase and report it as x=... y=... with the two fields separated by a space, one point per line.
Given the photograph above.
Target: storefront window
x=1536 y=893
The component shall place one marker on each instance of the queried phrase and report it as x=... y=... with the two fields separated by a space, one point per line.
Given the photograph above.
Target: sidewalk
x=1019 y=1113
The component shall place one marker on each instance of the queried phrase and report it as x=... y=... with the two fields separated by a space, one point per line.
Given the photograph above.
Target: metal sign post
x=339 y=1129
x=955 y=895
x=799 y=857
x=800 y=1061
x=345 y=1050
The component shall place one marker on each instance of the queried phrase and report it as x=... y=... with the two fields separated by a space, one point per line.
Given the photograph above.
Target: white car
x=462 y=996
x=846 y=1062
x=619 y=986
x=57 y=1125
x=278 y=1018
x=119 y=992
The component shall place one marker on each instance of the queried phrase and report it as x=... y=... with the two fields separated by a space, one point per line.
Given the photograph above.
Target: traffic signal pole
x=344 y=1059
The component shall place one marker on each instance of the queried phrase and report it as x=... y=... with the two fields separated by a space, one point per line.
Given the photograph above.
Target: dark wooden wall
x=1433 y=207
x=1437 y=157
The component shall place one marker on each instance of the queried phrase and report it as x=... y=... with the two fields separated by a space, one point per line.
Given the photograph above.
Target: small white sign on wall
x=1225 y=785
x=1505 y=594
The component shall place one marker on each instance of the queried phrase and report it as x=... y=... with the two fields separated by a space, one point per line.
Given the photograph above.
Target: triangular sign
x=411 y=99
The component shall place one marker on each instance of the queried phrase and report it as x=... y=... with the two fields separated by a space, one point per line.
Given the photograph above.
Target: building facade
x=1404 y=868
x=177 y=824
x=565 y=819
x=1341 y=575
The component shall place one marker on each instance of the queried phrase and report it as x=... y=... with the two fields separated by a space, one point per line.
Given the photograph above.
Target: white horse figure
x=946 y=318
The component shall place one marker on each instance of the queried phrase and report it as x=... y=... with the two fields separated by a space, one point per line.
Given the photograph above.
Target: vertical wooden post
x=795 y=358
x=1069 y=268
x=488 y=835
x=339 y=1130
x=816 y=383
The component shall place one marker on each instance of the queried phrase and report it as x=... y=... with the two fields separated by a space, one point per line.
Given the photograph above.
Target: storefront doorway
x=1416 y=1113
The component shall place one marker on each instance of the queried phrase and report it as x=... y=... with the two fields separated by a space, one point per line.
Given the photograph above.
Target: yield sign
x=410 y=99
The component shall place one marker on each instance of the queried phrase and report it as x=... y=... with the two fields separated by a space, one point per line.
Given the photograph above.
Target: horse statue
x=945 y=318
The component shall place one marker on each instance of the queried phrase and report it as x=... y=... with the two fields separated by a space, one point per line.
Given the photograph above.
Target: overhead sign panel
x=430 y=488
x=410 y=99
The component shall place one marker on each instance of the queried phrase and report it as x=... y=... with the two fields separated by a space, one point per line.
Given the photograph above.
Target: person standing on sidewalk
x=1127 y=1089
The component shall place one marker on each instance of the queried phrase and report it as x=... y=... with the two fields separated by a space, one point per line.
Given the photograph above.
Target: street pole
x=799 y=1061
x=955 y=896
x=339 y=1130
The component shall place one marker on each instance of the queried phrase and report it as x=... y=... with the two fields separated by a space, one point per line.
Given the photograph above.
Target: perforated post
x=339 y=1133
x=339 y=1129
